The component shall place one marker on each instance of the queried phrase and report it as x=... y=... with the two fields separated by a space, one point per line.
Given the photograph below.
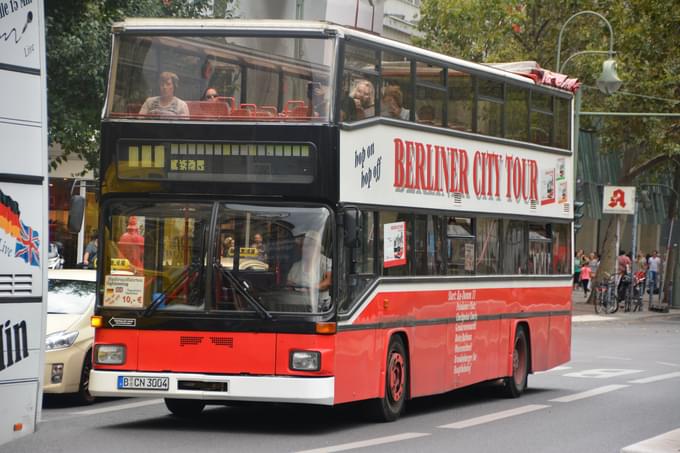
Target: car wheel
x=84 y=396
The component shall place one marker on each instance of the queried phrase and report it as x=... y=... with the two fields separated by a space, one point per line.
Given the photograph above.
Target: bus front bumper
x=275 y=389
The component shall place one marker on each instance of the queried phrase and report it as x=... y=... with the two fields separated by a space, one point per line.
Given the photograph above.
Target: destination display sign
x=268 y=162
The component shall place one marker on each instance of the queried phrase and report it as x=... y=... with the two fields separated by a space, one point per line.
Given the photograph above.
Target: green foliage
x=645 y=39
x=78 y=54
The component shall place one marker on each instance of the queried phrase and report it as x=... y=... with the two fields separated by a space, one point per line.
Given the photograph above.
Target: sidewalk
x=584 y=312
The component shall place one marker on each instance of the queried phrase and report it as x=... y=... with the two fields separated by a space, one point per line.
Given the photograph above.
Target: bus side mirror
x=75 y=213
x=352 y=224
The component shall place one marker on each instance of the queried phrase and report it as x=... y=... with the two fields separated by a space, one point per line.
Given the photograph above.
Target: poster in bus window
x=469 y=257
x=394 y=244
x=548 y=187
x=124 y=291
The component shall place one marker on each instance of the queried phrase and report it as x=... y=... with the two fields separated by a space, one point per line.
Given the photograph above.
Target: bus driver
x=313 y=271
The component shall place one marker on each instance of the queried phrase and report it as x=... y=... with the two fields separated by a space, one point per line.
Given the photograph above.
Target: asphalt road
x=622 y=386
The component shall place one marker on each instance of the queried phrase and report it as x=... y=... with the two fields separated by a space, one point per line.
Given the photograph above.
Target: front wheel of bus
x=516 y=384
x=184 y=408
x=389 y=407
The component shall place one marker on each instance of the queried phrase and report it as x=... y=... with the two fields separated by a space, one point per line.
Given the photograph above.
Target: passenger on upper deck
x=426 y=114
x=318 y=99
x=166 y=103
x=392 y=103
x=210 y=94
x=364 y=98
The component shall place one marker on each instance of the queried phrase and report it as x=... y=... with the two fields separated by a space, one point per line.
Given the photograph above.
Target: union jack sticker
x=28 y=246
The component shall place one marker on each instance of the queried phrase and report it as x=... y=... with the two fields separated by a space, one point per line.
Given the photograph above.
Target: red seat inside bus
x=208 y=109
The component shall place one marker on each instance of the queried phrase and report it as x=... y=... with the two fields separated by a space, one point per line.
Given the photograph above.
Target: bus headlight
x=109 y=354
x=305 y=360
x=60 y=340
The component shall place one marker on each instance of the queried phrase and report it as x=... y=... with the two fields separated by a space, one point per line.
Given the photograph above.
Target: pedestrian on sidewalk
x=654 y=266
x=585 y=276
x=577 y=269
x=593 y=263
x=641 y=262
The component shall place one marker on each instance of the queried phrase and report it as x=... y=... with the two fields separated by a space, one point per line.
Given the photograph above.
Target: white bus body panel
x=497 y=177
x=24 y=233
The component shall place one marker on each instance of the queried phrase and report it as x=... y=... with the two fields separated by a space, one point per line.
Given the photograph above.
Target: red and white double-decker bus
x=300 y=212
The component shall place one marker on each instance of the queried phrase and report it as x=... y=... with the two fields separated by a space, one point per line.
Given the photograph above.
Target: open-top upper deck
x=314 y=72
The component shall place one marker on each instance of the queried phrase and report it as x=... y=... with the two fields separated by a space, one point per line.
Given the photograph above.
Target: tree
x=78 y=42
x=646 y=36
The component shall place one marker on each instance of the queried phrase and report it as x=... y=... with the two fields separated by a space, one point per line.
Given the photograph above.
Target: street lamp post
x=608 y=82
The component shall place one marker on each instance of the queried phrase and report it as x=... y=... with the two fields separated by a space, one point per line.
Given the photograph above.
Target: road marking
x=669 y=364
x=665 y=442
x=119 y=407
x=602 y=373
x=366 y=443
x=495 y=416
x=660 y=377
x=612 y=357
x=589 y=393
x=590 y=318
x=557 y=368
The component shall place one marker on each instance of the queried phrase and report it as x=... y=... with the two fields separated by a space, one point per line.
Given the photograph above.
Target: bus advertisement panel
x=23 y=215
x=393 y=166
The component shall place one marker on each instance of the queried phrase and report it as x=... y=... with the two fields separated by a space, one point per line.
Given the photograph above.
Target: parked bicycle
x=606 y=297
x=635 y=292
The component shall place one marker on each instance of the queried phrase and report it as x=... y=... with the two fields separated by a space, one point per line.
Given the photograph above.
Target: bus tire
x=391 y=405
x=516 y=384
x=184 y=408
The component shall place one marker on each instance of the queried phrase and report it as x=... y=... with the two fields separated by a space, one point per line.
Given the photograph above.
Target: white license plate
x=143 y=382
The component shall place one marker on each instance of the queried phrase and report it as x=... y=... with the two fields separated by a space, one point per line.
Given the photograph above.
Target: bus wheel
x=389 y=407
x=84 y=396
x=184 y=408
x=516 y=384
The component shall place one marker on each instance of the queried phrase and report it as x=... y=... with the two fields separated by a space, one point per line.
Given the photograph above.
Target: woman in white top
x=166 y=104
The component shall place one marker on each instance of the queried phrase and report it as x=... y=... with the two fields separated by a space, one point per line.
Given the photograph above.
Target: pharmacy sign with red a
x=618 y=200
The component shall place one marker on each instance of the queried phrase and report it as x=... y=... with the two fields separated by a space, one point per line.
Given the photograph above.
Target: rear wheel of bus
x=391 y=405
x=184 y=408
x=515 y=385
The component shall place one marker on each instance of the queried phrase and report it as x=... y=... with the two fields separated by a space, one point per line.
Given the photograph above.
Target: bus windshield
x=225 y=78
x=264 y=259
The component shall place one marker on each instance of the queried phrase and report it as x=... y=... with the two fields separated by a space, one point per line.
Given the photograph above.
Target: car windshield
x=262 y=259
x=71 y=297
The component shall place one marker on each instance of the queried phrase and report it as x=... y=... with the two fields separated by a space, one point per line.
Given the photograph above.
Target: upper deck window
x=224 y=78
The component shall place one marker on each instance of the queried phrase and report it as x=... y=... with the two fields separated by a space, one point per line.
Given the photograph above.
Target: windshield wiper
x=244 y=290
x=185 y=278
